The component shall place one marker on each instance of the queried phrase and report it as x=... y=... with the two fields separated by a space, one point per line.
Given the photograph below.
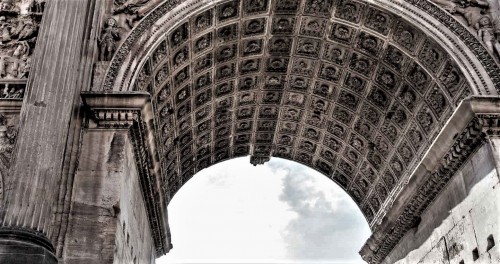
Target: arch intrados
x=142 y=50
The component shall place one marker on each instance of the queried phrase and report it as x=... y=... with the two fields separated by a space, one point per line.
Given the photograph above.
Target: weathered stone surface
x=43 y=130
x=108 y=221
x=463 y=217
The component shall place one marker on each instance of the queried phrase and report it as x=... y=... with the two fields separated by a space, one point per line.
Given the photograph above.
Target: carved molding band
x=115 y=118
x=483 y=119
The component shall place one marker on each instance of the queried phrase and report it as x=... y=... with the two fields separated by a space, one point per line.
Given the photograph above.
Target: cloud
x=282 y=212
x=328 y=225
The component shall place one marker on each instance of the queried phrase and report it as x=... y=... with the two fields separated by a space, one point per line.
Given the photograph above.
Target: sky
x=279 y=212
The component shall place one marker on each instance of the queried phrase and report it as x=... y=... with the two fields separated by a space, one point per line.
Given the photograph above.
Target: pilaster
x=132 y=112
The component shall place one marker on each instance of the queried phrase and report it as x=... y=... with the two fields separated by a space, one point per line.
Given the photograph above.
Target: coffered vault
x=348 y=89
x=386 y=98
x=351 y=89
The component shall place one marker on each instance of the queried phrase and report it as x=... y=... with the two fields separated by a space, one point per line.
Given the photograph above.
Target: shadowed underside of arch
x=346 y=88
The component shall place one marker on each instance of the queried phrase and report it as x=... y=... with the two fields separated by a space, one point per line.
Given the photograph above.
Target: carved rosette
x=258 y=160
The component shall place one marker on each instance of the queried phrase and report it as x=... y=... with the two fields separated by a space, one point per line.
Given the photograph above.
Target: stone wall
x=133 y=236
x=108 y=222
x=462 y=225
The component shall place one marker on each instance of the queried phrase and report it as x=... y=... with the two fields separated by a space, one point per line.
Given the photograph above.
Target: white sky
x=279 y=212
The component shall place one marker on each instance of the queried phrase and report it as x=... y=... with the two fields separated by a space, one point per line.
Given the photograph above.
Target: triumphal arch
x=107 y=107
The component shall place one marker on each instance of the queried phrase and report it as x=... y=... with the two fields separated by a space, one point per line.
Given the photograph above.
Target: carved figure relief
x=108 y=40
x=8 y=135
x=19 y=24
x=479 y=16
x=486 y=34
x=132 y=8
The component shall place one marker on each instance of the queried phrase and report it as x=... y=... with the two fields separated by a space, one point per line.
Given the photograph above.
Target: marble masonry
x=107 y=107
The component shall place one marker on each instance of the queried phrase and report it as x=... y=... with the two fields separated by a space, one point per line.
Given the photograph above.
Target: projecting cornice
x=473 y=121
x=133 y=111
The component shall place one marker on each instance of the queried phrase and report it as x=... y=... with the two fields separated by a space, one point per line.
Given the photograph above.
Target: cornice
x=473 y=121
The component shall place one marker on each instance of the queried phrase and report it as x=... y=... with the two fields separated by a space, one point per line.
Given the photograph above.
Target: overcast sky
x=280 y=212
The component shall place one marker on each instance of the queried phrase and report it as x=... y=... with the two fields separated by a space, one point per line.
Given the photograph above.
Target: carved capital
x=115 y=110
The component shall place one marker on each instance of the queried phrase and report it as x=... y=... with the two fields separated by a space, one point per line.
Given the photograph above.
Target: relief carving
x=19 y=22
x=131 y=8
x=481 y=16
x=8 y=135
x=108 y=40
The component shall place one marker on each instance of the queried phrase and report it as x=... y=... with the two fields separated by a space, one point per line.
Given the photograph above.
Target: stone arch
x=344 y=96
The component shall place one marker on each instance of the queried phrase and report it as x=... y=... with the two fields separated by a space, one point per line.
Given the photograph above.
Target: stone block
x=437 y=255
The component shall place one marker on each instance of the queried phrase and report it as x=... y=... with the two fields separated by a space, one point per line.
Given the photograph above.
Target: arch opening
x=279 y=212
